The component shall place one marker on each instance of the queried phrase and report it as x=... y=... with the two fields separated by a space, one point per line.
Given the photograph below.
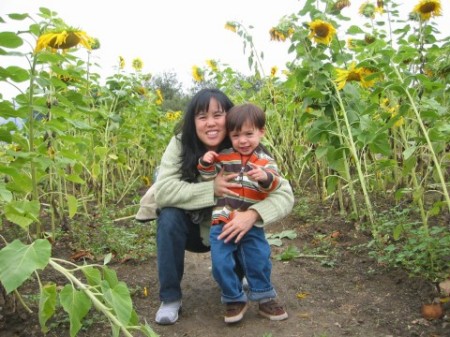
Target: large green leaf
x=47 y=305
x=18 y=261
x=17 y=74
x=22 y=212
x=72 y=204
x=10 y=40
x=77 y=304
x=118 y=298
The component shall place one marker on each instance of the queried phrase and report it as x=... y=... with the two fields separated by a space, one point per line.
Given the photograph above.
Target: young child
x=258 y=176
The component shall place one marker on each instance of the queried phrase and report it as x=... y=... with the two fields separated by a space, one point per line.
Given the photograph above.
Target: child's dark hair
x=239 y=114
x=247 y=112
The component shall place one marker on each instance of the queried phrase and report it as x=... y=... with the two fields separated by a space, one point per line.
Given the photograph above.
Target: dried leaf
x=82 y=254
x=302 y=295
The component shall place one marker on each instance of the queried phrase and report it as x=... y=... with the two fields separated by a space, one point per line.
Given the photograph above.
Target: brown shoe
x=235 y=311
x=272 y=310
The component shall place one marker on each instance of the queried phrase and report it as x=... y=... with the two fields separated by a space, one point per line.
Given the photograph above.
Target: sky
x=174 y=35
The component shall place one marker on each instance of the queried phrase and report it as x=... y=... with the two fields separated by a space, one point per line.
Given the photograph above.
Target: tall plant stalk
x=427 y=138
x=354 y=153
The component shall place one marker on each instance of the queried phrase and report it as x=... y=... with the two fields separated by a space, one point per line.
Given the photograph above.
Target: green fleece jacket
x=171 y=191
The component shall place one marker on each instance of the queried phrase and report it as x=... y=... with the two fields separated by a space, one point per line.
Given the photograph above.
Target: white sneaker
x=168 y=313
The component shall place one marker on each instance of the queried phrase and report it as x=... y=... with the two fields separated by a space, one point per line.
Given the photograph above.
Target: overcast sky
x=174 y=35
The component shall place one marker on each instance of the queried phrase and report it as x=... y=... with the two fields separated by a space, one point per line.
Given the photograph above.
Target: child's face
x=247 y=139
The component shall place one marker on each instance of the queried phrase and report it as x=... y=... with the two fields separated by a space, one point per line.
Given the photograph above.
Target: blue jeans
x=175 y=233
x=253 y=253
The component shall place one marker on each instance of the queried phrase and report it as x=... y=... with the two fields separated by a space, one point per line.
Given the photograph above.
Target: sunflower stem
x=427 y=138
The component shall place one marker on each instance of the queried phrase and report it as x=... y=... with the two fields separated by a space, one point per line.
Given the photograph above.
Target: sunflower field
x=362 y=113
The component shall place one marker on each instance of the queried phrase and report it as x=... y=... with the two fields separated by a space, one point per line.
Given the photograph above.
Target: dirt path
x=344 y=294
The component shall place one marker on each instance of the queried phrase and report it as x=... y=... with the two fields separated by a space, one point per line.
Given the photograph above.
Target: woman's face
x=210 y=125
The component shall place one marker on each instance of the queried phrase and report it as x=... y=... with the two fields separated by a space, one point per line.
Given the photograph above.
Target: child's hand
x=209 y=157
x=257 y=173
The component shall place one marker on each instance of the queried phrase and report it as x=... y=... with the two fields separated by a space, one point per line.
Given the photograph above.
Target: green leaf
x=47 y=305
x=275 y=242
x=8 y=110
x=77 y=304
x=23 y=212
x=118 y=297
x=75 y=178
x=72 y=202
x=18 y=261
x=398 y=230
x=93 y=276
x=110 y=276
x=5 y=194
x=17 y=74
x=10 y=40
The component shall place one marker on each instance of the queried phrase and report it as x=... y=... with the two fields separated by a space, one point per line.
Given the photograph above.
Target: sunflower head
x=197 y=74
x=159 y=97
x=354 y=74
x=367 y=9
x=321 y=31
x=340 y=5
x=137 y=64
x=231 y=26
x=63 y=39
x=428 y=8
x=273 y=71
x=121 y=62
x=212 y=64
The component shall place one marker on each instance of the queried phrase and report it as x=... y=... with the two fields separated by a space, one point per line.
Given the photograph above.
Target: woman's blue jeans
x=253 y=254
x=175 y=233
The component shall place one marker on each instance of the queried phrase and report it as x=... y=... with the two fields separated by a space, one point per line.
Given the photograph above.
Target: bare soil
x=345 y=293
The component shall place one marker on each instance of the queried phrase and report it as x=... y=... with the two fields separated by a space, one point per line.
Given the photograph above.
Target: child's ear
x=263 y=131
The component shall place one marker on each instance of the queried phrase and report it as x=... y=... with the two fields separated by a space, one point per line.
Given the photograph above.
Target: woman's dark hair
x=192 y=147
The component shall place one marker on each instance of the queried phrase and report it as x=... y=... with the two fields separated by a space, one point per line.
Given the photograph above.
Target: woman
x=185 y=202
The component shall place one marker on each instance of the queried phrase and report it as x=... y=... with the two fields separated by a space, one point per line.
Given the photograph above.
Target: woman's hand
x=222 y=184
x=237 y=227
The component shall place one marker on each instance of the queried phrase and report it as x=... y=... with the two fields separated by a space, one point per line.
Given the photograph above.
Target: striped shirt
x=250 y=191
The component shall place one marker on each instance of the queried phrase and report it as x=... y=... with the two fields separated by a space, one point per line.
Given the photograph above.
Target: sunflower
x=197 y=74
x=367 y=9
x=273 y=71
x=137 y=64
x=359 y=74
x=428 y=8
x=340 y=4
x=159 y=97
x=212 y=64
x=172 y=116
x=231 y=26
x=121 y=62
x=321 y=31
x=64 y=39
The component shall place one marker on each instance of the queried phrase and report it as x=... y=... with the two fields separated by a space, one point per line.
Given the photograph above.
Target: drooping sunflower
x=428 y=8
x=321 y=31
x=64 y=39
x=281 y=33
x=353 y=73
x=212 y=64
x=367 y=9
x=159 y=97
x=197 y=74
x=231 y=26
x=273 y=71
x=340 y=4
x=121 y=62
